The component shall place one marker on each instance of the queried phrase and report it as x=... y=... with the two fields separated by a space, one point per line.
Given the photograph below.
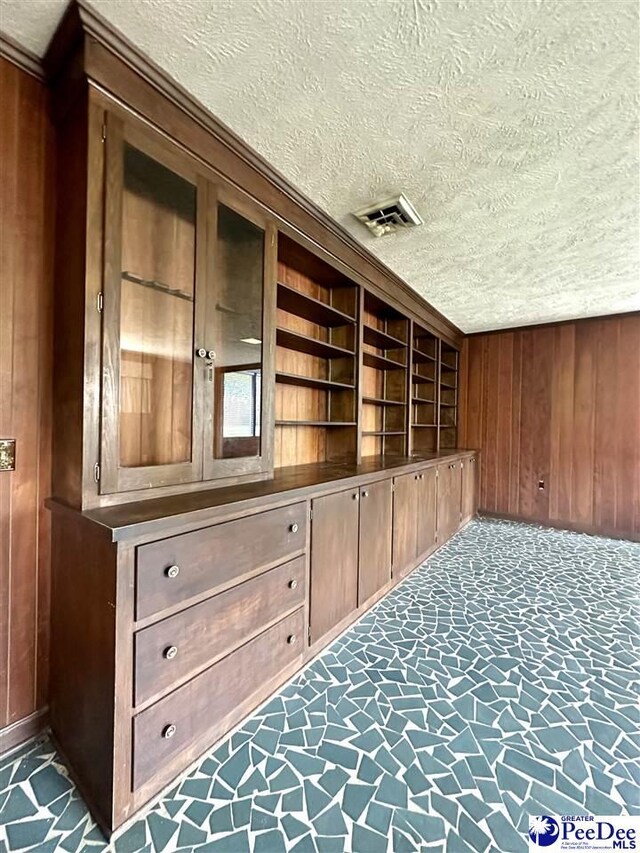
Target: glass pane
x=237 y=335
x=156 y=313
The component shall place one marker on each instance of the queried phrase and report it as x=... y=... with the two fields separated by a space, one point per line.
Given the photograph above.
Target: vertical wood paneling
x=559 y=404
x=584 y=412
x=26 y=226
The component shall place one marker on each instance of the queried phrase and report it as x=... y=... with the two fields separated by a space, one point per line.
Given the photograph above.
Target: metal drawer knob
x=365 y=494
x=292 y=639
x=356 y=497
x=293 y=583
x=168 y=731
x=170 y=652
x=294 y=527
x=172 y=571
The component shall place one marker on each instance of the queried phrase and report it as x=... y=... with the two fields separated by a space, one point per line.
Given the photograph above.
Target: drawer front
x=176 y=569
x=171 y=650
x=195 y=715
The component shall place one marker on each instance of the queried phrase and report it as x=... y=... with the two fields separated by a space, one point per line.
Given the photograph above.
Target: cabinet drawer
x=194 y=716
x=171 y=650
x=176 y=569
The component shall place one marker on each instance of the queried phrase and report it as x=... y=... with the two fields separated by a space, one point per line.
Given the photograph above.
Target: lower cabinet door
x=375 y=539
x=469 y=487
x=405 y=519
x=427 y=507
x=334 y=560
x=449 y=499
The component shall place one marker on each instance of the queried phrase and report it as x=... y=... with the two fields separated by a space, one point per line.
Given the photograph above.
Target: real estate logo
x=543 y=830
x=584 y=833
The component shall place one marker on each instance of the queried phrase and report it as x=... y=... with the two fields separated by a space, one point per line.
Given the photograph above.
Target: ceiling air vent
x=389 y=215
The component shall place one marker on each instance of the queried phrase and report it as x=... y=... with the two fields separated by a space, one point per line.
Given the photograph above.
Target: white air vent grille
x=389 y=215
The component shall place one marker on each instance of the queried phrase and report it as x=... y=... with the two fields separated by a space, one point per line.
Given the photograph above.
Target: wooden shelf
x=310 y=346
x=383 y=432
x=310 y=382
x=378 y=401
x=295 y=302
x=448 y=385
x=448 y=405
x=422 y=357
x=375 y=338
x=418 y=378
x=424 y=426
x=381 y=363
x=421 y=401
x=317 y=423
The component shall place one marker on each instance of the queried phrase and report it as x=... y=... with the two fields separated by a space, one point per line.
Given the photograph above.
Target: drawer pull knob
x=356 y=497
x=170 y=652
x=168 y=731
x=172 y=571
x=293 y=583
x=365 y=494
x=294 y=527
x=292 y=639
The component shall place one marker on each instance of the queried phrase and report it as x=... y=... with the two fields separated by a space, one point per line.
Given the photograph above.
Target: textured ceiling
x=510 y=124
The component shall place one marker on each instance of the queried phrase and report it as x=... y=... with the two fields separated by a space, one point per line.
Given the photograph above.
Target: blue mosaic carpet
x=498 y=681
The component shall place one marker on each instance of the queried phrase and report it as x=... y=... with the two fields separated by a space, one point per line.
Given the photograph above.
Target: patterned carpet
x=496 y=682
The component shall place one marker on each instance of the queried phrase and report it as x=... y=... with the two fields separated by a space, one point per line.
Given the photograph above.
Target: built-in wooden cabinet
x=426 y=510
x=414 y=518
x=187 y=306
x=252 y=418
x=469 y=488
x=405 y=520
x=449 y=498
x=375 y=539
x=334 y=560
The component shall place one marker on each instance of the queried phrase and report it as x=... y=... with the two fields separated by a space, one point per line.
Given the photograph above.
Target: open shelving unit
x=385 y=362
x=316 y=360
x=424 y=390
x=448 y=399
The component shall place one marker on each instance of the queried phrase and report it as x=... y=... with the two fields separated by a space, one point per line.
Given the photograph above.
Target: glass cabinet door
x=150 y=435
x=241 y=275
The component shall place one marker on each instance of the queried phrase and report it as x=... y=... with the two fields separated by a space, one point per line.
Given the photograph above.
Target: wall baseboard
x=625 y=535
x=23 y=730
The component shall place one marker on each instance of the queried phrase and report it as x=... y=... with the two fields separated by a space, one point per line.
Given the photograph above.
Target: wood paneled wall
x=559 y=404
x=26 y=249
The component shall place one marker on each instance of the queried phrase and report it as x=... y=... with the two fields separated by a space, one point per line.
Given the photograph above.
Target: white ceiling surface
x=510 y=124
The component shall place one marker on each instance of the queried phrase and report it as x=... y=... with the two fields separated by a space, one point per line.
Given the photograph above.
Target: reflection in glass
x=238 y=335
x=156 y=313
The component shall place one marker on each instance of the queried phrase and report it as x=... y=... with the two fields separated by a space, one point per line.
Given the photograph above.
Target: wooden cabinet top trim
x=161 y=517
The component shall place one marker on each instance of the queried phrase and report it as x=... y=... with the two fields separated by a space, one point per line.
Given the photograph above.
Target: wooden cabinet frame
x=204 y=464
x=213 y=466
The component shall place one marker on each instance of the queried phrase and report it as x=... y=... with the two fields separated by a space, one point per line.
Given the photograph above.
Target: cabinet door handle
x=169 y=731
x=293 y=583
x=292 y=639
x=170 y=652
x=365 y=494
x=294 y=527
x=172 y=571
x=356 y=497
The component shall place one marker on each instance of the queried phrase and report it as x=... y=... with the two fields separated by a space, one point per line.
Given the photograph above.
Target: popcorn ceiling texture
x=510 y=124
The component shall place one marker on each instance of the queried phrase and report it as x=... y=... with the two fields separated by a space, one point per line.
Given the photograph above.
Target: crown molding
x=20 y=56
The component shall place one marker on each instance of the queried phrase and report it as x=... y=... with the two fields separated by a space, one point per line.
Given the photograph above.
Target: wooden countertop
x=159 y=517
